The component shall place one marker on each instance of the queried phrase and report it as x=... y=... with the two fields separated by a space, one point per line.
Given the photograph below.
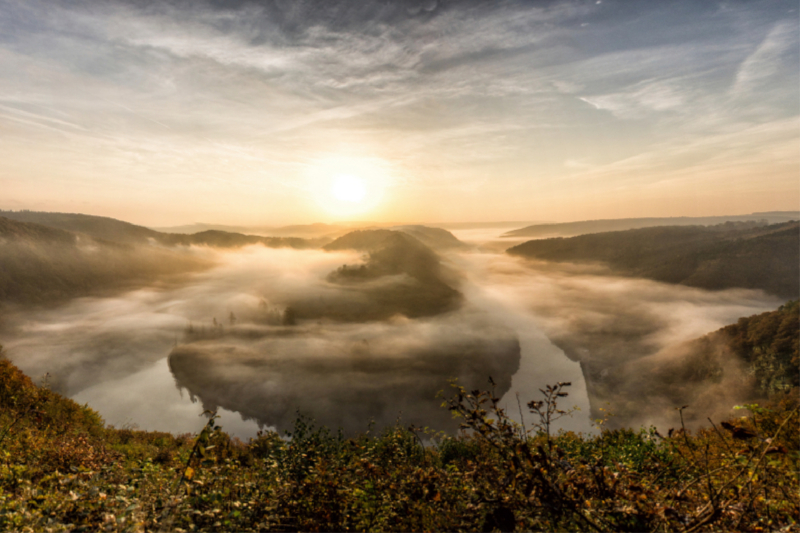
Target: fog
x=346 y=375
x=239 y=337
x=631 y=337
x=224 y=337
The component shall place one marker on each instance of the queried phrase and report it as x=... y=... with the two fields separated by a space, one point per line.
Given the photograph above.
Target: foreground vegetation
x=61 y=469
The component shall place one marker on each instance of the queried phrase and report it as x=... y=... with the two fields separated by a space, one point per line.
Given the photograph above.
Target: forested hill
x=117 y=231
x=105 y=228
x=571 y=229
x=42 y=265
x=436 y=238
x=754 y=359
x=769 y=344
x=11 y=230
x=300 y=237
x=710 y=257
x=390 y=253
x=413 y=281
x=225 y=239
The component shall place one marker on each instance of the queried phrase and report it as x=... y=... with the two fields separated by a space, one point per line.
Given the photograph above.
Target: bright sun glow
x=348 y=189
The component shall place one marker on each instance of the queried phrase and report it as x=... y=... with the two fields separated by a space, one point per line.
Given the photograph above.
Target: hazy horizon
x=273 y=113
x=454 y=225
x=448 y=224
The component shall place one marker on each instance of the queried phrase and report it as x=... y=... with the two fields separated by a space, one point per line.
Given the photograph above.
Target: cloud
x=708 y=161
x=220 y=99
x=39 y=119
x=642 y=99
x=768 y=60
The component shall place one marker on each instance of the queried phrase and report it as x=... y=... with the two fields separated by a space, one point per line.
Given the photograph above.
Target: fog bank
x=231 y=344
x=628 y=335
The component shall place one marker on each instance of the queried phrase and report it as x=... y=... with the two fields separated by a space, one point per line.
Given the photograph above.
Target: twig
x=721 y=436
x=167 y=517
x=521 y=418
x=11 y=425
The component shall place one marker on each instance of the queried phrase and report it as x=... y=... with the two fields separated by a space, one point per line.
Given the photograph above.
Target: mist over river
x=156 y=357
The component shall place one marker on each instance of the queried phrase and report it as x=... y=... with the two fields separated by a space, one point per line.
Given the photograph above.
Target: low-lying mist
x=631 y=337
x=348 y=375
x=231 y=344
x=268 y=333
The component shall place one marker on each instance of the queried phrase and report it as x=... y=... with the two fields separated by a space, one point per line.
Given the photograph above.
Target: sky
x=297 y=111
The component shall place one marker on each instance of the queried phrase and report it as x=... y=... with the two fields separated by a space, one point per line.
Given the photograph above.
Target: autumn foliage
x=61 y=469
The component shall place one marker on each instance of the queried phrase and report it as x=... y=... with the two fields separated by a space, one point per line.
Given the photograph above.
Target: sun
x=347 y=188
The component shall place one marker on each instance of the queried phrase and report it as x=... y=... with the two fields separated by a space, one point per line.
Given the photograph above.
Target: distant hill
x=485 y=225
x=112 y=230
x=390 y=253
x=199 y=226
x=42 y=265
x=436 y=238
x=105 y=228
x=316 y=230
x=367 y=239
x=571 y=229
x=710 y=257
x=224 y=239
x=363 y=240
x=306 y=231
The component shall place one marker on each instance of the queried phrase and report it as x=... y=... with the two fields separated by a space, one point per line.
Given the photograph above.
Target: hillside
x=714 y=257
x=225 y=239
x=297 y=236
x=769 y=344
x=390 y=252
x=400 y=275
x=42 y=265
x=749 y=361
x=436 y=238
x=317 y=230
x=571 y=229
x=363 y=240
x=305 y=231
x=117 y=231
x=105 y=228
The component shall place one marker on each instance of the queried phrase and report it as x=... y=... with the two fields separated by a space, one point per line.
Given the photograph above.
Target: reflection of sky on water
x=149 y=399
x=541 y=363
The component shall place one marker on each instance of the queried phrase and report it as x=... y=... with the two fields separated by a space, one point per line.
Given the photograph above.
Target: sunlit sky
x=237 y=112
